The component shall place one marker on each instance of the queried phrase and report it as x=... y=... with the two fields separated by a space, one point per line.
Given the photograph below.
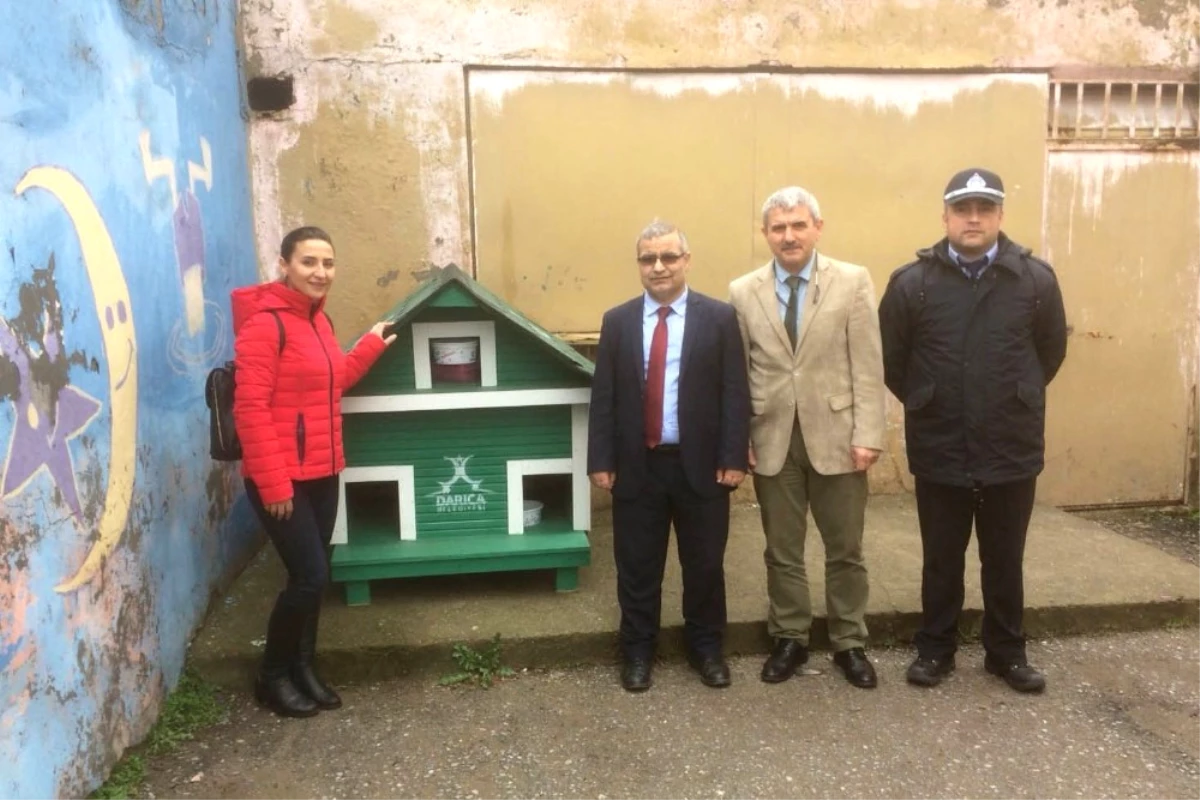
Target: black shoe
x=304 y=676
x=635 y=675
x=786 y=656
x=281 y=696
x=856 y=667
x=1017 y=674
x=306 y=679
x=929 y=671
x=713 y=670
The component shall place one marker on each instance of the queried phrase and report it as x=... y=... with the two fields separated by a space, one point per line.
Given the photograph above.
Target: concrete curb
x=375 y=663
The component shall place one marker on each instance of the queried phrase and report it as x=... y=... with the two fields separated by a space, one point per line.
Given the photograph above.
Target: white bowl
x=455 y=351
x=533 y=513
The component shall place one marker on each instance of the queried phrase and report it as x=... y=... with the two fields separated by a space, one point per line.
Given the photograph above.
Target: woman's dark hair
x=288 y=245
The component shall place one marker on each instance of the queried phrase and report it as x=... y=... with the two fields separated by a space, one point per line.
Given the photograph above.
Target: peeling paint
x=397 y=136
x=630 y=33
x=345 y=28
x=1129 y=265
x=903 y=93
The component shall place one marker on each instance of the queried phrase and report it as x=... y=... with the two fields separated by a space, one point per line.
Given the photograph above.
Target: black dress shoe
x=786 y=656
x=713 y=670
x=1017 y=674
x=281 y=696
x=929 y=671
x=635 y=675
x=856 y=667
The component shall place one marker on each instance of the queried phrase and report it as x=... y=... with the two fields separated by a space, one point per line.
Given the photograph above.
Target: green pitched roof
x=447 y=288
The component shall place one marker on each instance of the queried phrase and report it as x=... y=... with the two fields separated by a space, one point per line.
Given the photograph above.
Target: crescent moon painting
x=114 y=312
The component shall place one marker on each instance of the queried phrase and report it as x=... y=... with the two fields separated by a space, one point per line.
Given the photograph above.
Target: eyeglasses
x=668 y=259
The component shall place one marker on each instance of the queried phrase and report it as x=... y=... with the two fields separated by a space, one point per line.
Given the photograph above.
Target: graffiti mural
x=49 y=412
x=115 y=312
x=188 y=348
x=119 y=256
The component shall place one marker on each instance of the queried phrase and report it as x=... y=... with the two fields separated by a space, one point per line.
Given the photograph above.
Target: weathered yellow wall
x=321 y=179
x=380 y=162
x=569 y=167
x=1124 y=237
x=888 y=34
x=376 y=149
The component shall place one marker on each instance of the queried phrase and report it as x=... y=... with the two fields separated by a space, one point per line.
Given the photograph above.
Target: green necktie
x=793 y=310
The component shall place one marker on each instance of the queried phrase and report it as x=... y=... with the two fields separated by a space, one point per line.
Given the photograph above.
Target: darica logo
x=461 y=492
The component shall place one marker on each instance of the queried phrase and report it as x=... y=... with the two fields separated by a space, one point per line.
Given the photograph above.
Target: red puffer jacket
x=287 y=406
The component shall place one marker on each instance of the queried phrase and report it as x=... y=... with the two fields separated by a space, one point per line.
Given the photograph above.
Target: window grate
x=1130 y=114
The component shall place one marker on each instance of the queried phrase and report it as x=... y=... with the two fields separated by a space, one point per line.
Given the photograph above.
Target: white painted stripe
x=581 y=488
x=406 y=484
x=452 y=401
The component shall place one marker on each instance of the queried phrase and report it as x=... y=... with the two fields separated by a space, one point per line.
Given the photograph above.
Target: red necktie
x=656 y=373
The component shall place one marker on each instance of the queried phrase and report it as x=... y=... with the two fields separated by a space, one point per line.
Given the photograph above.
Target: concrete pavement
x=1080 y=577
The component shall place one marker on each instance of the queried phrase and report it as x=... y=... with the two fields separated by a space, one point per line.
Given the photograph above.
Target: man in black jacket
x=973 y=332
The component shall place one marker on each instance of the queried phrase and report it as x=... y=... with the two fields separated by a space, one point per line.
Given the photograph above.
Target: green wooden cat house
x=466 y=446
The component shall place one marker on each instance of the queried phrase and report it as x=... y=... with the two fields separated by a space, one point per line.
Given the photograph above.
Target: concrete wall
x=529 y=140
x=376 y=145
x=125 y=220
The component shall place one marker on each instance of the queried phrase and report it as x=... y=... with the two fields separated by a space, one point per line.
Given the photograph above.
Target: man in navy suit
x=669 y=435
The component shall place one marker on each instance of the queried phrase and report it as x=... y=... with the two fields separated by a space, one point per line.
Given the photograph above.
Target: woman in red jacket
x=287 y=410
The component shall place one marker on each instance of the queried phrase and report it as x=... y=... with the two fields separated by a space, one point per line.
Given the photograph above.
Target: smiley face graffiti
x=115 y=313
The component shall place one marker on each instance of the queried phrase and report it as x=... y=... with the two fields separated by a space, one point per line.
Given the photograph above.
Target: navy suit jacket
x=714 y=398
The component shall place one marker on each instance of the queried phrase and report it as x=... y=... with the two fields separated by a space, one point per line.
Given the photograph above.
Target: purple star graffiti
x=41 y=434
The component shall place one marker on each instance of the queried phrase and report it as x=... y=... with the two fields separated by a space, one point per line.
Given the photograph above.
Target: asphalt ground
x=1118 y=719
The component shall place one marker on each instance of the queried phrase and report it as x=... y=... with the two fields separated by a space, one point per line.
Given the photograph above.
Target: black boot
x=304 y=676
x=274 y=687
x=281 y=696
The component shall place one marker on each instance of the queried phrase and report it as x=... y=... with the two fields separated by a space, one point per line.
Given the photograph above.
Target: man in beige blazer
x=815 y=369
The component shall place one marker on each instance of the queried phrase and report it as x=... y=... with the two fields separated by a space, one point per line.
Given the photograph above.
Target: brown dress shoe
x=786 y=656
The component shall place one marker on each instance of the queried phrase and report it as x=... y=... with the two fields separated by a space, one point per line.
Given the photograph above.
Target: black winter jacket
x=970 y=360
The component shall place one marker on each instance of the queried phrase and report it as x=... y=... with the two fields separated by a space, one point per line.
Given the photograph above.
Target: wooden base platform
x=374 y=554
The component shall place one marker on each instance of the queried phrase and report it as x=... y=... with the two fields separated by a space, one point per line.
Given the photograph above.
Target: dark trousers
x=1000 y=514
x=302 y=542
x=641 y=531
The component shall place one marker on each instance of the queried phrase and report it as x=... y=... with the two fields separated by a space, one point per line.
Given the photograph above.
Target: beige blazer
x=833 y=383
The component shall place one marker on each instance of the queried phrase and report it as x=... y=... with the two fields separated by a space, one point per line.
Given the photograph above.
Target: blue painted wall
x=125 y=221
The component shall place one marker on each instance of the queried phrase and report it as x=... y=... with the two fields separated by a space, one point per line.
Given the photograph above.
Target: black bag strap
x=282 y=332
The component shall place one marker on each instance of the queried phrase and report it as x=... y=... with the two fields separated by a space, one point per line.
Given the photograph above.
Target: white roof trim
x=451 y=401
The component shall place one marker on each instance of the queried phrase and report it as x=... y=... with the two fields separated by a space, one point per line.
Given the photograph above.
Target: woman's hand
x=280 y=510
x=379 y=327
